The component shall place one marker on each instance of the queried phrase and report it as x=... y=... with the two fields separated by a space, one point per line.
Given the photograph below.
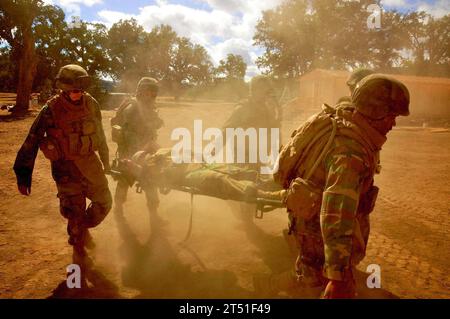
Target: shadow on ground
x=155 y=269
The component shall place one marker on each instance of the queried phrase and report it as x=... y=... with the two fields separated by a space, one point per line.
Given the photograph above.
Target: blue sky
x=221 y=26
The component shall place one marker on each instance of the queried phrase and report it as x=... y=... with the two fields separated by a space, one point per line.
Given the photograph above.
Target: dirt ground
x=410 y=237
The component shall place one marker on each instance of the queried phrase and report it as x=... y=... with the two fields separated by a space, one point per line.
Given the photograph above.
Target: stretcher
x=207 y=181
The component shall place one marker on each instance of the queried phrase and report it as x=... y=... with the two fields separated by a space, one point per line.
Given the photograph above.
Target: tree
x=189 y=65
x=229 y=76
x=288 y=34
x=300 y=35
x=428 y=40
x=86 y=47
x=232 y=68
x=51 y=34
x=159 y=44
x=18 y=19
x=126 y=50
x=7 y=74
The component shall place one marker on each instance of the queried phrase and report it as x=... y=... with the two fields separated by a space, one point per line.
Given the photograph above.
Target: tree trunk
x=27 y=71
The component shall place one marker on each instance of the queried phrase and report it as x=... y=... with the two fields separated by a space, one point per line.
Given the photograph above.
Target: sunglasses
x=75 y=91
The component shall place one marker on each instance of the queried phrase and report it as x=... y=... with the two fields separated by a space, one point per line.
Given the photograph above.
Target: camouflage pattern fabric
x=257 y=114
x=140 y=124
x=76 y=179
x=335 y=240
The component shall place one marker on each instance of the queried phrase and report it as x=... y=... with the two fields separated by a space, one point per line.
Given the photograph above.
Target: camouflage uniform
x=334 y=241
x=261 y=110
x=139 y=121
x=225 y=181
x=69 y=134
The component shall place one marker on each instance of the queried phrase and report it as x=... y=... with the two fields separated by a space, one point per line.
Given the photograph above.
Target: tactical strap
x=324 y=150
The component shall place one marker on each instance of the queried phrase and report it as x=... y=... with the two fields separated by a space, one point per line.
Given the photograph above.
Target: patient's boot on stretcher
x=277 y=195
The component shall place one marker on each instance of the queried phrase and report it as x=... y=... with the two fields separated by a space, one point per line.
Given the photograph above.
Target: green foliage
x=300 y=35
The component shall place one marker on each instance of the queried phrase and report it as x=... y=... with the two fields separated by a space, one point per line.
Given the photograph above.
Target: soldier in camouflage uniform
x=333 y=240
x=138 y=123
x=260 y=110
x=225 y=181
x=69 y=130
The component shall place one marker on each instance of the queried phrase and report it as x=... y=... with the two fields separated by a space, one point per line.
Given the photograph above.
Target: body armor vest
x=74 y=133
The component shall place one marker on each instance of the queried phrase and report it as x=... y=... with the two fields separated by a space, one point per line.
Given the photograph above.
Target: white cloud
x=234 y=46
x=227 y=28
x=72 y=7
x=438 y=9
x=394 y=3
x=109 y=17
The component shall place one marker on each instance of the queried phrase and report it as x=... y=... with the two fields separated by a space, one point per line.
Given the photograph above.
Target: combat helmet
x=72 y=77
x=357 y=76
x=378 y=95
x=147 y=83
x=261 y=86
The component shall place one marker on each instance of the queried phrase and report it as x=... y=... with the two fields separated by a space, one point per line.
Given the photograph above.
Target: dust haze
x=226 y=248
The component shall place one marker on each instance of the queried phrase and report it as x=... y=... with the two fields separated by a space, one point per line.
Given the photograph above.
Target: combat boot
x=306 y=283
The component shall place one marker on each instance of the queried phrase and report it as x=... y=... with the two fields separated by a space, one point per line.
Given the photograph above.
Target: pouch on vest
x=88 y=127
x=50 y=148
x=85 y=145
x=303 y=199
x=74 y=140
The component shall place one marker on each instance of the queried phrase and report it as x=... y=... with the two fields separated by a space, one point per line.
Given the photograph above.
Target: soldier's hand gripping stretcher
x=226 y=182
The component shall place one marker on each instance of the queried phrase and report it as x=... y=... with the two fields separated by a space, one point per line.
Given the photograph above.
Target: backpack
x=117 y=122
x=294 y=154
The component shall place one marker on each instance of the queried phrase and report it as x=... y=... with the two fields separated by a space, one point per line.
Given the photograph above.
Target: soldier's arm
x=338 y=211
x=24 y=163
x=103 y=150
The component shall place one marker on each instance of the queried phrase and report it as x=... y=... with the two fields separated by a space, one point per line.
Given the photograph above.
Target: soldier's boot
x=310 y=276
x=266 y=286
x=306 y=282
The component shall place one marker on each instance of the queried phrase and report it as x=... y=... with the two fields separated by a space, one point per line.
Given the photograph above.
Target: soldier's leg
x=73 y=207
x=306 y=281
x=101 y=203
x=309 y=263
x=152 y=199
x=120 y=197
